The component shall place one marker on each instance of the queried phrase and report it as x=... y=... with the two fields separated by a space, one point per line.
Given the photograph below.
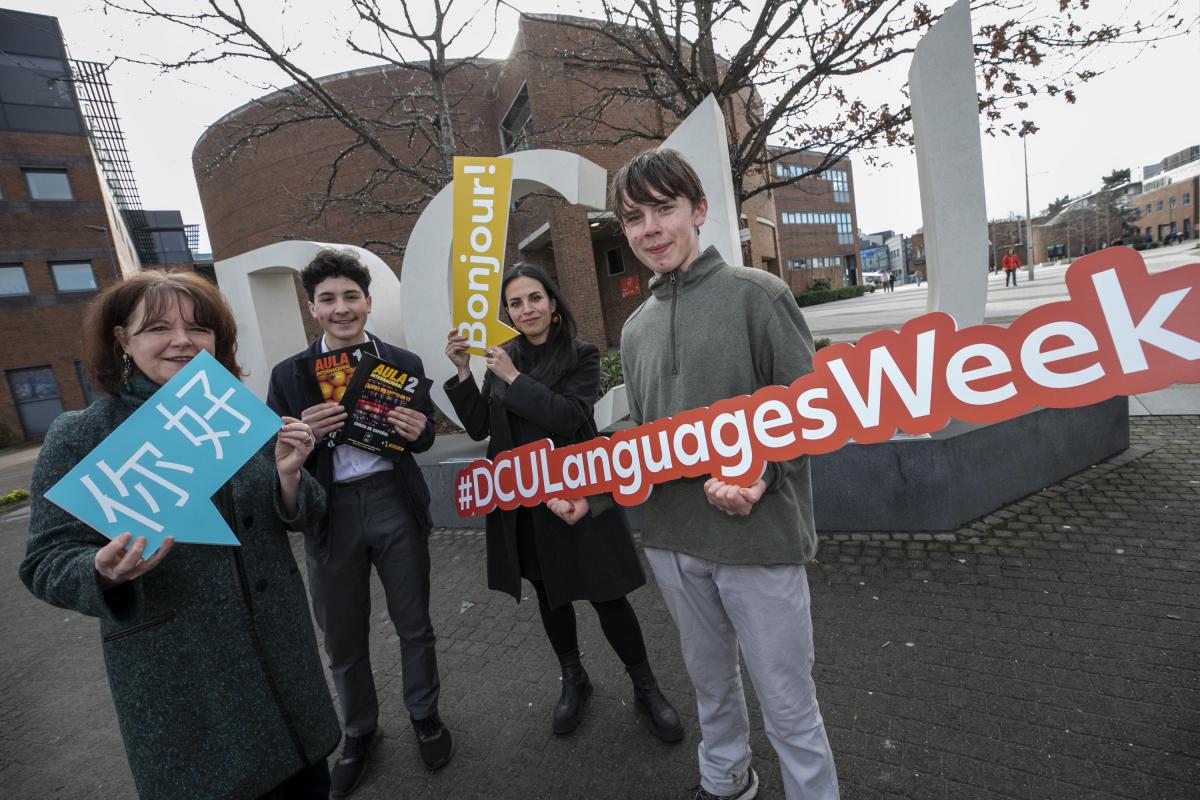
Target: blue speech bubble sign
x=154 y=476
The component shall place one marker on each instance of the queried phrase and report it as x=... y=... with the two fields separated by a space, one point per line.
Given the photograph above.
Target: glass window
x=12 y=280
x=615 y=262
x=74 y=276
x=1158 y=205
x=1187 y=198
x=514 y=126
x=1172 y=202
x=36 y=394
x=48 y=184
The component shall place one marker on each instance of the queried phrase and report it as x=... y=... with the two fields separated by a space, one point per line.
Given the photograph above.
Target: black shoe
x=576 y=689
x=434 y=741
x=348 y=771
x=649 y=698
x=747 y=792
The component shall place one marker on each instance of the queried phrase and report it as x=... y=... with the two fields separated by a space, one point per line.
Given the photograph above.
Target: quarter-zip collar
x=662 y=286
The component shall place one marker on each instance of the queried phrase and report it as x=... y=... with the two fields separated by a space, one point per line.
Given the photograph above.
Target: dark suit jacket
x=291 y=392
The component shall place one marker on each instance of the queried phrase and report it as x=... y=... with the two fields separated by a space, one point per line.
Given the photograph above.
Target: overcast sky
x=1133 y=116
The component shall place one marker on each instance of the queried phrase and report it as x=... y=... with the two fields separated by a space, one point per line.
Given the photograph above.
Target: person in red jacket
x=1010 y=263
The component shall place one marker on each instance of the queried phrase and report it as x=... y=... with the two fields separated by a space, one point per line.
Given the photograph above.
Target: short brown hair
x=651 y=176
x=116 y=304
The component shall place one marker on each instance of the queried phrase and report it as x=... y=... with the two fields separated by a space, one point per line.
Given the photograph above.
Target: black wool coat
x=592 y=560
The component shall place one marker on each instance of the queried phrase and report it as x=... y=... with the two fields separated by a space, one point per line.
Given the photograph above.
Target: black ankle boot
x=576 y=689
x=662 y=714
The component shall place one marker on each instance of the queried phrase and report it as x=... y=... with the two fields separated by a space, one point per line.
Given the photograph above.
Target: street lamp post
x=107 y=246
x=1028 y=215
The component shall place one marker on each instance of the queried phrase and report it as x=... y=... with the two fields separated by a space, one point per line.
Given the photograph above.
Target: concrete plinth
x=962 y=472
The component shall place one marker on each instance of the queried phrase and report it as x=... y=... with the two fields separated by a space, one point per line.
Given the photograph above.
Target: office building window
x=815 y=262
x=615 y=262
x=1187 y=198
x=48 y=184
x=841 y=185
x=1158 y=205
x=1149 y=208
x=74 y=276
x=12 y=280
x=1171 y=202
x=514 y=128
x=38 y=401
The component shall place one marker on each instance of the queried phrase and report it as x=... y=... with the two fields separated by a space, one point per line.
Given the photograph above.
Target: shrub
x=15 y=496
x=610 y=372
x=812 y=298
x=6 y=436
x=824 y=341
x=819 y=285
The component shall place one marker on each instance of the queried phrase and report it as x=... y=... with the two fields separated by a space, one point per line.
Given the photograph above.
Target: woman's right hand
x=456 y=351
x=118 y=562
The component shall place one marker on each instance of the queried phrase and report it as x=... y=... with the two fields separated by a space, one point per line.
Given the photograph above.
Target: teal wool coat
x=211 y=656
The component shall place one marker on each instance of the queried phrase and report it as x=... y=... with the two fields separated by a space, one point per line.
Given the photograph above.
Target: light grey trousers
x=370 y=525
x=765 y=609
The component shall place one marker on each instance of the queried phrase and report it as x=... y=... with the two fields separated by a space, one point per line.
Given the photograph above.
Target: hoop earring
x=126 y=368
x=555 y=318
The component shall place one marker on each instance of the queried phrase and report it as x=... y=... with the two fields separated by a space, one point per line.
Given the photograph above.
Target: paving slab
x=1049 y=650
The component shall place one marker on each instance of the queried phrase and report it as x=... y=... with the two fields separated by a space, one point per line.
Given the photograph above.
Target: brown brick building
x=55 y=251
x=818 y=225
x=1167 y=209
x=68 y=227
x=265 y=193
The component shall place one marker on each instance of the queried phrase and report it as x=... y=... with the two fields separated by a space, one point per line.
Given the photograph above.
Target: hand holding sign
x=153 y=476
x=119 y=561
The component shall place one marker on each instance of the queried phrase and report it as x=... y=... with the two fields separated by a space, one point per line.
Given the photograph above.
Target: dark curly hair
x=334 y=264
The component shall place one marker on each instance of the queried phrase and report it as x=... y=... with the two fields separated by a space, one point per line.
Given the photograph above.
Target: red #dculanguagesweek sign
x=1122 y=331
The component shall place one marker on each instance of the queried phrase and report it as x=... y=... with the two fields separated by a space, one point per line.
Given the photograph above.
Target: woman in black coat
x=542 y=385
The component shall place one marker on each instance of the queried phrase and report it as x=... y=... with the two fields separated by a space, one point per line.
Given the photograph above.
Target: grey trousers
x=371 y=525
x=765 y=609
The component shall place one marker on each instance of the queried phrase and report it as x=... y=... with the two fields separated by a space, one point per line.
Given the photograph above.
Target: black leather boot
x=576 y=689
x=662 y=714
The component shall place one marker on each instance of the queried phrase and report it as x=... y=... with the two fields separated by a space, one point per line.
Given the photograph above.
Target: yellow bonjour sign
x=481 y=192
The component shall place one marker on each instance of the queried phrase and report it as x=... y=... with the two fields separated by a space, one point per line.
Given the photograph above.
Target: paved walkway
x=1051 y=650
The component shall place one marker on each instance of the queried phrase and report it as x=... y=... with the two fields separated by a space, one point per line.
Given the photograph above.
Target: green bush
x=819 y=285
x=6 y=436
x=824 y=341
x=610 y=372
x=812 y=298
x=15 y=496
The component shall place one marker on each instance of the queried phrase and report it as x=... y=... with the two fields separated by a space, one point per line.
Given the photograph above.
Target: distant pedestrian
x=1011 y=264
x=891 y=281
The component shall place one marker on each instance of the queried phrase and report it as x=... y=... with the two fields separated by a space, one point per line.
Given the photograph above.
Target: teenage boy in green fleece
x=729 y=560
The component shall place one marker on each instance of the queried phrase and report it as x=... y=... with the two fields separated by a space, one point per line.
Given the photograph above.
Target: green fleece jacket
x=708 y=333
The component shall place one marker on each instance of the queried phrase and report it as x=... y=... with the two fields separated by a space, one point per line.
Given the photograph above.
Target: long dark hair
x=559 y=356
